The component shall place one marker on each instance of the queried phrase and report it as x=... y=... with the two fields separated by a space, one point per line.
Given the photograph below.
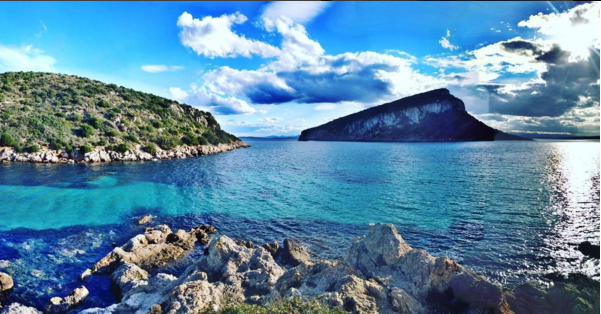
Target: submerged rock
x=145 y=219
x=6 y=282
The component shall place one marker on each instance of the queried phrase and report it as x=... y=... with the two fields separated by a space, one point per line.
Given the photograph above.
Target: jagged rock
x=380 y=273
x=6 y=282
x=202 y=233
x=149 y=250
x=85 y=275
x=273 y=248
x=62 y=305
x=17 y=308
x=294 y=254
x=145 y=219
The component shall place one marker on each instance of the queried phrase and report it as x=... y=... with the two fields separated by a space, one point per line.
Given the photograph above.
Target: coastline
x=8 y=154
x=380 y=272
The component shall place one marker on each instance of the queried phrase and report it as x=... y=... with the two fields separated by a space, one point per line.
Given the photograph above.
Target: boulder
x=6 y=282
x=63 y=305
x=294 y=254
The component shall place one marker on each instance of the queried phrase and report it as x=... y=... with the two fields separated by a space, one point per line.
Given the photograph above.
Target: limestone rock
x=294 y=254
x=6 y=282
x=17 y=308
x=62 y=305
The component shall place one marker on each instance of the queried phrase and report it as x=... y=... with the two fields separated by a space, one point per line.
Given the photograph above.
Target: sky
x=276 y=68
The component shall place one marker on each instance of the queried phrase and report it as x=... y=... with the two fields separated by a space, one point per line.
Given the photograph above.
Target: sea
x=513 y=211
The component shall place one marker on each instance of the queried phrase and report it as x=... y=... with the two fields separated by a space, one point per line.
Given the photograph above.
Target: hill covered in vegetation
x=66 y=112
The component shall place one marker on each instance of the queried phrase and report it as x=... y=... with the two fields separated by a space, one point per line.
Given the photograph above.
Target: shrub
x=102 y=142
x=18 y=148
x=85 y=149
x=104 y=103
x=76 y=118
x=111 y=115
x=95 y=122
x=61 y=115
x=122 y=148
x=131 y=138
x=167 y=142
x=33 y=148
x=150 y=148
x=7 y=140
x=86 y=130
x=56 y=145
x=190 y=139
x=203 y=141
x=111 y=133
x=292 y=306
x=68 y=147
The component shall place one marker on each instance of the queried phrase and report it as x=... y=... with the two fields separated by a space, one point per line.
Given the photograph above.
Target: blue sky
x=277 y=68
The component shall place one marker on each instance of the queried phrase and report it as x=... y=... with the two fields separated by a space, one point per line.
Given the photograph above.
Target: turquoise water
x=512 y=210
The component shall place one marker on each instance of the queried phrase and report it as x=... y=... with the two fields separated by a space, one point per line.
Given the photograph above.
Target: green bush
x=56 y=145
x=33 y=148
x=95 y=122
x=131 y=138
x=18 y=148
x=122 y=148
x=167 y=142
x=76 y=118
x=7 y=140
x=85 y=149
x=102 y=142
x=86 y=130
x=203 y=141
x=68 y=147
x=103 y=103
x=291 y=306
x=190 y=139
x=111 y=133
x=150 y=148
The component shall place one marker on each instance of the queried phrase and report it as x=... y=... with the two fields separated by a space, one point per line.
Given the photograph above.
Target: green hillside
x=66 y=112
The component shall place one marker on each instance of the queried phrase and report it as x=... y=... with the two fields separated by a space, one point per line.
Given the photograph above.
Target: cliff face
x=434 y=116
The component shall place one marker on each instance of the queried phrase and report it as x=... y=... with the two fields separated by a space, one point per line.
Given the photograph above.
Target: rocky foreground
x=379 y=273
x=8 y=154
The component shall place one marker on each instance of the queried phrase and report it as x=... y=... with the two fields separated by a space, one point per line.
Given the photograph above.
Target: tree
x=7 y=140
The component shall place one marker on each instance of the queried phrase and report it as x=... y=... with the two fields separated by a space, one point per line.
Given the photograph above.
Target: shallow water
x=514 y=211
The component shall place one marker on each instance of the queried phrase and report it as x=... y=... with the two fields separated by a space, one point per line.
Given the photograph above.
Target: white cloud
x=445 y=43
x=325 y=107
x=178 y=94
x=575 y=30
x=299 y=12
x=213 y=37
x=25 y=58
x=156 y=68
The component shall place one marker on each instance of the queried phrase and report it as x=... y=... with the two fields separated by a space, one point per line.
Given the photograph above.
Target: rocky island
x=379 y=273
x=434 y=116
x=48 y=117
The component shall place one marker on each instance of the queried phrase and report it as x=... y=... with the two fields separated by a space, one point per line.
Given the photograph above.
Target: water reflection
x=573 y=185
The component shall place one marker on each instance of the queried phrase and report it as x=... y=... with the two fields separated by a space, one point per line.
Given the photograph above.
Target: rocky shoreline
x=379 y=273
x=8 y=154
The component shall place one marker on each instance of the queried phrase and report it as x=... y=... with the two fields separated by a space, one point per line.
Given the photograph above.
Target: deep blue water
x=514 y=211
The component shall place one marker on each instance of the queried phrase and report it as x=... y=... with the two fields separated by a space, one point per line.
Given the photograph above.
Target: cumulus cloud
x=210 y=101
x=213 y=37
x=564 y=85
x=446 y=43
x=156 y=68
x=575 y=30
x=299 y=12
x=25 y=58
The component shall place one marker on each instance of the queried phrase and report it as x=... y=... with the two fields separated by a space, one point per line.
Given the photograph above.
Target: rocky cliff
x=434 y=116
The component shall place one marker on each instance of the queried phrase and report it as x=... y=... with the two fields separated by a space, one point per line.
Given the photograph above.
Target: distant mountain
x=271 y=137
x=434 y=116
